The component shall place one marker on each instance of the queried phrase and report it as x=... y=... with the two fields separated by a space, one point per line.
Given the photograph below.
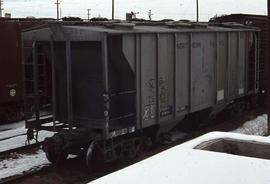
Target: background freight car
x=11 y=77
x=260 y=21
x=117 y=86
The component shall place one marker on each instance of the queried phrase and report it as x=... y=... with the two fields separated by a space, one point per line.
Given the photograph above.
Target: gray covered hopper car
x=117 y=86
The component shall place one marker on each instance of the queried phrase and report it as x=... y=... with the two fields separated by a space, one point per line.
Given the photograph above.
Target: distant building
x=8 y=15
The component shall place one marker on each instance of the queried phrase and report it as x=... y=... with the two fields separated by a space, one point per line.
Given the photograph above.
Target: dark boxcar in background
x=11 y=94
x=116 y=86
x=260 y=21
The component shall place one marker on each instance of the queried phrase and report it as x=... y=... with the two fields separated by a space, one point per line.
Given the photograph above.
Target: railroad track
x=7 y=154
x=18 y=135
x=13 y=179
x=27 y=149
x=22 y=149
x=19 y=148
x=74 y=170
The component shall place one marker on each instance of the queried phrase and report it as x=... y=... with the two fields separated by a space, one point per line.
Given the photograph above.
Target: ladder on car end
x=36 y=92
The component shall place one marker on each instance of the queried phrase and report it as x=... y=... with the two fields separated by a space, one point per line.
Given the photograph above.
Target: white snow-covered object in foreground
x=183 y=164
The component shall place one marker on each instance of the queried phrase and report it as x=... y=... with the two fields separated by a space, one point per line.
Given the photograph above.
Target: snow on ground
x=182 y=164
x=20 y=141
x=10 y=126
x=258 y=126
x=22 y=164
x=11 y=133
x=13 y=141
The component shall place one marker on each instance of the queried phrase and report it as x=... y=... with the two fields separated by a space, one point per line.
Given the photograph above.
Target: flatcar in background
x=11 y=77
x=118 y=86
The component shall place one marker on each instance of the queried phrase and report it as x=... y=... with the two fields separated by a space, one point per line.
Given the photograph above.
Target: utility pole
x=57 y=9
x=112 y=9
x=88 y=14
x=1 y=9
x=134 y=14
x=150 y=14
x=197 y=2
x=267 y=65
x=268 y=62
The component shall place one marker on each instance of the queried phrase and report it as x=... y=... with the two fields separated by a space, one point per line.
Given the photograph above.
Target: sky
x=161 y=9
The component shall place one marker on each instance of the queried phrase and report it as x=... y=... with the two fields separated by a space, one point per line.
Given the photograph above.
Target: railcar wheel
x=53 y=148
x=133 y=148
x=127 y=154
x=146 y=145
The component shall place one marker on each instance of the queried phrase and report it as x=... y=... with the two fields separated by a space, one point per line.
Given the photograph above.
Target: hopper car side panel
x=203 y=61
x=213 y=68
x=148 y=60
x=182 y=73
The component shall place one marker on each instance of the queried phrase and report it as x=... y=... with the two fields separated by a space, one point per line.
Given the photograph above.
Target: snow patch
x=22 y=164
x=10 y=126
x=20 y=141
x=258 y=126
x=11 y=133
